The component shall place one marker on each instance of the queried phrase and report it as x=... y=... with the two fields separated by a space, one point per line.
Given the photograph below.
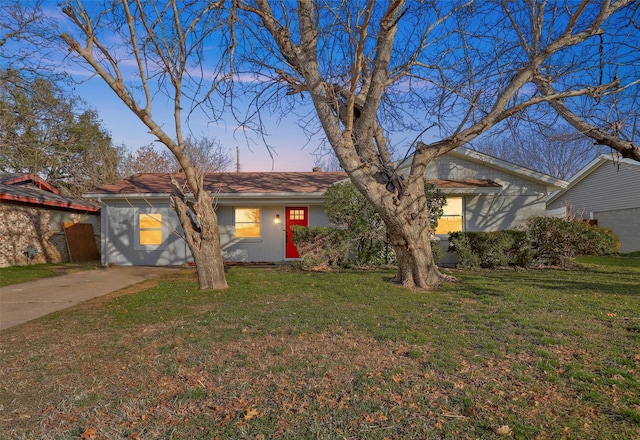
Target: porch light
x=277 y=219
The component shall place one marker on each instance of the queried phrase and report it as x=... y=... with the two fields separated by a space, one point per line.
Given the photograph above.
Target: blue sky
x=292 y=149
x=293 y=152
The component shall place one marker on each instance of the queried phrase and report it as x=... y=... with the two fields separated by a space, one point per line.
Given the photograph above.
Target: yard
x=293 y=355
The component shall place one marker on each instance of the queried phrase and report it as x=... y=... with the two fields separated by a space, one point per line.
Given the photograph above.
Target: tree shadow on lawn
x=570 y=281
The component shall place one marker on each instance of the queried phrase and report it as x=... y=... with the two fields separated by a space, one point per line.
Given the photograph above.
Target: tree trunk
x=207 y=255
x=200 y=224
x=407 y=220
x=416 y=266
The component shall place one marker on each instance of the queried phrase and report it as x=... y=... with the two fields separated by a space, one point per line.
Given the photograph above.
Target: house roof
x=262 y=184
x=550 y=182
x=471 y=185
x=226 y=183
x=29 y=189
x=587 y=170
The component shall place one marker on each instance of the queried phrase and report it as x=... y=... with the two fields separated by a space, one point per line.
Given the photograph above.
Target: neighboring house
x=607 y=191
x=256 y=210
x=36 y=223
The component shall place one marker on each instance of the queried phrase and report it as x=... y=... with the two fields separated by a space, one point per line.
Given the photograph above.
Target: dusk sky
x=292 y=151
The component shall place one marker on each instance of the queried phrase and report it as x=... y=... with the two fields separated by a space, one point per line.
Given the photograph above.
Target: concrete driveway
x=26 y=301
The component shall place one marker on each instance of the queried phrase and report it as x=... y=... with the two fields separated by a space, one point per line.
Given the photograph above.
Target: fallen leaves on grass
x=89 y=434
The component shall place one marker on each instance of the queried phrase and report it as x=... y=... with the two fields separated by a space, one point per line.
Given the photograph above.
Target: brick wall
x=23 y=226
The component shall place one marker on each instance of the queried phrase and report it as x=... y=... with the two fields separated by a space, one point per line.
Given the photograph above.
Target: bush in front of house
x=491 y=249
x=556 y=241
x=321 y=247
x=546 y=241
x=348 y=210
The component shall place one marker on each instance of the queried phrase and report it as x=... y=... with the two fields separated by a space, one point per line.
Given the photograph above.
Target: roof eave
x=50 y=203
x=261 y=195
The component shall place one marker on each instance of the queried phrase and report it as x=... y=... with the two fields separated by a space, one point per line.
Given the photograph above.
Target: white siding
x=610 y=186
x=518 y=199
x=625 y=223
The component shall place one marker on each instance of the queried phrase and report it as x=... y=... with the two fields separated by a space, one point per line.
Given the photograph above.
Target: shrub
x=547 y=241
x=556 y=241
x=350 y=211
x=321 y=247
x=436 y=250
x=491 y=249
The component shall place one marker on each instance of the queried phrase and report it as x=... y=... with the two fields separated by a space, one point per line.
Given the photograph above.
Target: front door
x=295 y=216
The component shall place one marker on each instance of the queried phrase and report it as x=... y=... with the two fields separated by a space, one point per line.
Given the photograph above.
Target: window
x=247 y=223
x=451 y=220
x=296 y=214
x=150 y=229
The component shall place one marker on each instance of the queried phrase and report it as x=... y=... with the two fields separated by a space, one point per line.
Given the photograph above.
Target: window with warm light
x=247 y=222
x=296 y=214
x=150 y=226
x=451 y=220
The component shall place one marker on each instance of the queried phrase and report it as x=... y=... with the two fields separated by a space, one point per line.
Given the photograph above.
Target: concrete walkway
x=26 y=301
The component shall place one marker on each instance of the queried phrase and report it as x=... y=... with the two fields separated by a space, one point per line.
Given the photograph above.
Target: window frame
x=257 y=224
x=461 y=215
x=140 y=230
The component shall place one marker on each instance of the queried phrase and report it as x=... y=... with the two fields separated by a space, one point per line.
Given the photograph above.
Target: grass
x=21 y=274
x=296 y=355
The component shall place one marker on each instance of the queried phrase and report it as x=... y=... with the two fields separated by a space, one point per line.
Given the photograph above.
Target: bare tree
x=147 y=159
x=165 y=42
x=17 y=21
x=208 y=154
x=557 y=151
x=448 y=72
x=205 y=153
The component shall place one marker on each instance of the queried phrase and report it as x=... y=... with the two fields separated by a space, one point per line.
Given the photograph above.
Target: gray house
x=606 y=191
x=255 y=214
x=256 y=210
x=485 y=193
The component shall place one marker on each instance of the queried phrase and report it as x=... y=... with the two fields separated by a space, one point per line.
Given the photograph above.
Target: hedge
x=546 y=241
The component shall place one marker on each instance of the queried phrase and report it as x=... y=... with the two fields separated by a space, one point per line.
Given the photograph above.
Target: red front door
x=294 y=217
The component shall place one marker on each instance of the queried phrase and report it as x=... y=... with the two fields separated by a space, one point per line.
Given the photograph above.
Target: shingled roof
x=256 y=183
x=227 y=183
x=29 y=189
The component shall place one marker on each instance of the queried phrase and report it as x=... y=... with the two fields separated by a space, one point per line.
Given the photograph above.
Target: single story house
x=607 y=192
x=255 y=213
x=40 y=225
x=485 y=193
x=256 y=210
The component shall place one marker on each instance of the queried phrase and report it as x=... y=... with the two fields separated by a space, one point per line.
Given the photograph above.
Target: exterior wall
x=609 y=187
x=22 y=226
x=121 y=246
x=120 y=243
x=509 y=208
x=625 y=223
x=610 y=194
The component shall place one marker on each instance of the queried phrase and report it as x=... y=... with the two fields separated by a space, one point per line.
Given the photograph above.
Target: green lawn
x=294 y=355
x=20 y=274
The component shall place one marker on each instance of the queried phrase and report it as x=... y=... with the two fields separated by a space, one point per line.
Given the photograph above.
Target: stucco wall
x=23 y=226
